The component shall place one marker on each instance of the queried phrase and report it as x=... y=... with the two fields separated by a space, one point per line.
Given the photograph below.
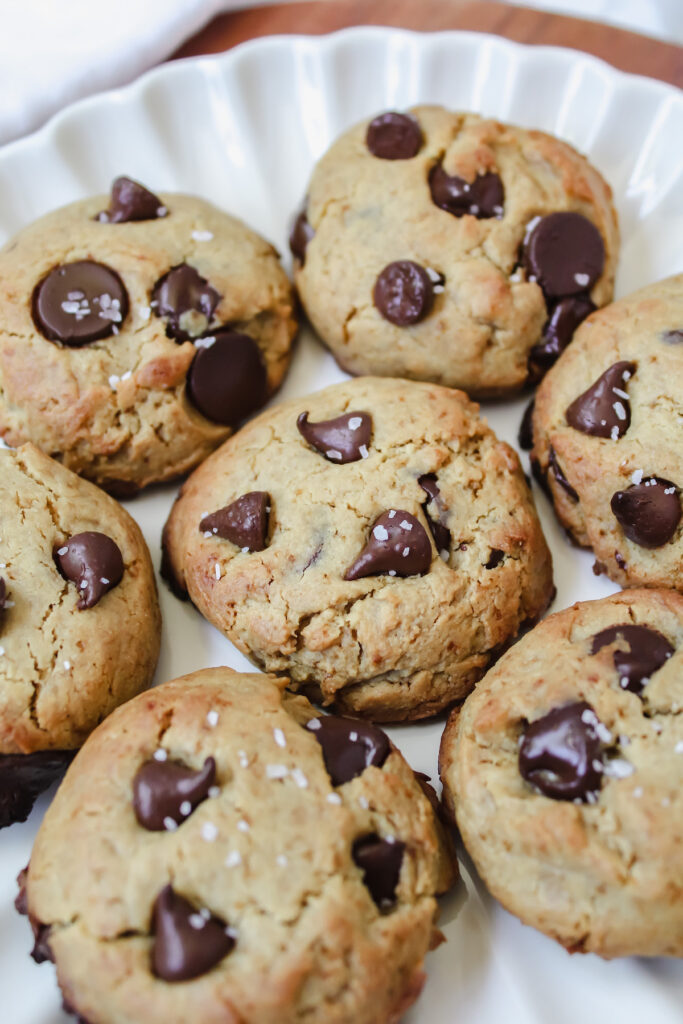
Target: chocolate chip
x=649 y=512
x=92 y=561
x=646 y=651
x=398 y=546
x=380 y=861
x=23 y=777
x=344 y=439
x=525 y=437
x=393 y=136
x=169 y=790
x=187 y=942
x=559 y=475
x=495 y=558
x=560 y=753
x=300 y=236
x=435 y=513
x=565 y=317
x=349 y=746
x=674 y=337
x=620 y=560
x=604 y=409
x=227 y=379
x=564 y=253
x=78 y=303
x=186 y=300
x=403 y=293
x=3 y=598
x=131 y=201
x=244 y=521
x=480 y=198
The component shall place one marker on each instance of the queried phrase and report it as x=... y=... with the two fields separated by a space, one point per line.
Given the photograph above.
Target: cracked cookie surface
x=119 y=410
x=599 y=866
x=384 y=584
x=65 y=664
x=591 y=446
x=270 y=852
x=472 y=314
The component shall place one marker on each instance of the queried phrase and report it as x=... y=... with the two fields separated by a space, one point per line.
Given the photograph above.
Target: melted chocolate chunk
x=227 y=379
x=131 y=201
x=620 y=560
x=604 y=409
x=565 y=317
x=380 y=861
x=3 y=598
x=349 y=746
x=564 y=253
x=674 y=337
x=559 y=475
x=646 y=651
x=344 y=439
x=300 y=236
x=495 y=558
x=393 y=136
x=92 y=561
x=435 y=513
x=244 y=521
x=398 y=546
x=169 y=790
x=23 y=777
x=403 y=293
x=186 y=300
x=187 y=942
x=525 y=437
x=649 y=512
x=481 y=198
x=561 y=755
x=78 y=303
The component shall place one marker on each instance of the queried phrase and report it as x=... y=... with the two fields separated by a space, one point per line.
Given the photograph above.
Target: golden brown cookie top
x=565 y=772
x=278 y=898
x=374 y=540
x=449 y=247
x=153 y=338
x=608 y=436
x=80 y=624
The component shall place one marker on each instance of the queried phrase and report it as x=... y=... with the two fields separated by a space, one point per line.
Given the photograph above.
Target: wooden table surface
x=624 y=50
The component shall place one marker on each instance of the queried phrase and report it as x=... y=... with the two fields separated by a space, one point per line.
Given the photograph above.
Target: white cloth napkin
x=54 y=51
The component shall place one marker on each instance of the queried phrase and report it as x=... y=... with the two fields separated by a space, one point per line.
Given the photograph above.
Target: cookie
x=246 y=860
x=608 y=436
x=136 y=332
x=79 y=619
x=564 y=770
x=375 y=542
x=452 y=248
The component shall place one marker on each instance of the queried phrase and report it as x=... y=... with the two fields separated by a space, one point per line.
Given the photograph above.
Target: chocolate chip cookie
x=79 y=619
x=453 y=248
x=375 y=542
x=565 y=772
x=608 y=436
x=136 y=332
x=242 y=860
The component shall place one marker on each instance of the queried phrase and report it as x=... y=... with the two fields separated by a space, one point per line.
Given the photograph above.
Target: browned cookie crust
x=149 y=398
x=423 y=256
x=74 y=643
x=381 y=564
x=565 y=772
x=275 y=913
x=608 y=436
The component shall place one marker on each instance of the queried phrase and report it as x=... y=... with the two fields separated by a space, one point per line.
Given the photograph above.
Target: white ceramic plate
x=243 y=130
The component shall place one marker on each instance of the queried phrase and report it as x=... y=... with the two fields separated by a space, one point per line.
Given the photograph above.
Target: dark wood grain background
x=624 y=50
